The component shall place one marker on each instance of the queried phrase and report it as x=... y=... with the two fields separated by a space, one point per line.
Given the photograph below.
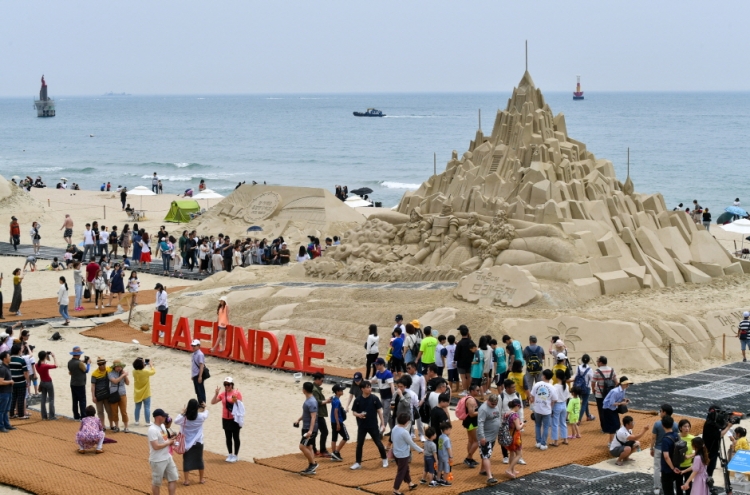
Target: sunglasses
x=227 y=384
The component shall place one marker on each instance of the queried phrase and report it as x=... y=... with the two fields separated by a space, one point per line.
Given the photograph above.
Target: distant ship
x=578 y=94
x=45 y=106
x=371 y=112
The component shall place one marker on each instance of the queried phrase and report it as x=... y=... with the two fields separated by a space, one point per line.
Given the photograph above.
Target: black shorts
x=335 y=434
x=308 y=441
x=476 y=381
x=485 y=451
x=453 y=375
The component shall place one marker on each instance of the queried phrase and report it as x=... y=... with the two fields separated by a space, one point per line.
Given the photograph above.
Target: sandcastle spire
x=628 y=188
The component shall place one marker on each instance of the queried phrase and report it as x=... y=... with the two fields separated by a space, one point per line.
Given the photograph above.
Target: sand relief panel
x=529 y=195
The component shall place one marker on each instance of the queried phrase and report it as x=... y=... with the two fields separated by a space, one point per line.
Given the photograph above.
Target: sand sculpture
x=529 y=195
x=291 y=212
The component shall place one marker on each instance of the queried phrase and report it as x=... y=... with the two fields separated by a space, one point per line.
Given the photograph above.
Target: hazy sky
x=189 y=47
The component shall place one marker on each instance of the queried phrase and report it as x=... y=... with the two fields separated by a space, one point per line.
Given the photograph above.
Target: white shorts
x=163 y=469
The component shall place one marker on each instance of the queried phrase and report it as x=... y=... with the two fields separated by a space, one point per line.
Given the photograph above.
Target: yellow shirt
x=688 y=460
x=518 y=380
x=142 y=383
x=556 y=367
x=741 y=444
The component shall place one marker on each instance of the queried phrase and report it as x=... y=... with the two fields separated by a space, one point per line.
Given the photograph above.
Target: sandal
x=511 y=475
x=99 y=451
x=413 y=486
x=81 y=451
x=186 y=483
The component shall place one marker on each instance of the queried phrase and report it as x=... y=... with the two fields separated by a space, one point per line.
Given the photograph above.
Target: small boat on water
x=371 y=112
x=578 y=94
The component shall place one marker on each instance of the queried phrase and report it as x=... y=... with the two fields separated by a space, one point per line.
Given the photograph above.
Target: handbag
x=179 y=443
x=206 y=375
x=86 y=293
x=622 y=409
x=164 y=308
x=114 y=397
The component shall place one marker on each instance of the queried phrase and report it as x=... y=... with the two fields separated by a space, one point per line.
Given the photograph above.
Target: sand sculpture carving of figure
x=496 y=239
x=463 y=247
x=408 y=239
x=439 y=233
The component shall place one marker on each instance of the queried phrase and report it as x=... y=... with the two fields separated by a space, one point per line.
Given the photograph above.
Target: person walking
x=78 y=370
x=162 y=304
x=470 y=423
x=229 y=398
x=582 y=379
x=63 y=299
x=488 y=427
x=67 y=226
x=117 y=286
x=196 y=369
x=191 y=422
x=36 y=239
x=142 y=373
x=322 y=415
x=309 y=421
x=743 y=333
x=338 y=428
x=386 y=387
x=222 y=316
x=118 y=379
x=371 y=351
x=515 y=448
x=45 y=386
x=367 y=408
x=100 y=391
x=15 y=233
x=15 y=304
x=402 y=447
x=89 y=244
x=78 y=285
x=160 y=456
x=123 y=197
x=126 y=240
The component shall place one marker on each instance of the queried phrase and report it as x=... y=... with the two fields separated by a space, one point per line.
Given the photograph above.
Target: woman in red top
x=222 y=313
x=48 y=391
x=229 y=397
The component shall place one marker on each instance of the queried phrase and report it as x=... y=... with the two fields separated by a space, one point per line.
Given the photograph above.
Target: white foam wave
x=189 y=177
x=48 y=169
x=181 y=165
x=399 y=185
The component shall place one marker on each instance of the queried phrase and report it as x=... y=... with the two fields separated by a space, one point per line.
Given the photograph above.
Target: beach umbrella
x=355 y=201
x=208 y=194
x=361 y=191
x=725 y=217
x=141 y=191
x=16 y=177
x=741 y=226
x=255 y=228
x=736 y=210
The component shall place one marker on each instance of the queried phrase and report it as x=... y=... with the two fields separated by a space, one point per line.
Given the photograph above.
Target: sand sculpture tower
x=528 y=195
x=45 y=106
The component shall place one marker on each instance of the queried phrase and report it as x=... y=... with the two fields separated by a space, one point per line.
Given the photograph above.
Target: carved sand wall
x=531 y=196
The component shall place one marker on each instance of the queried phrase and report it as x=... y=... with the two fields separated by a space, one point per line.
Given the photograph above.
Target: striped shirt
x=744 y=329
x=598 y=380
x=17 y=368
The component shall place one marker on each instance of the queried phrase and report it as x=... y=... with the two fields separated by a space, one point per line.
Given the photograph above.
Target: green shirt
x=427 y=348
x=322 y=407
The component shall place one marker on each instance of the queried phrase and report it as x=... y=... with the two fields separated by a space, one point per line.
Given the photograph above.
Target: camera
x=722 y=418
x=147 y=360
x=86 y=359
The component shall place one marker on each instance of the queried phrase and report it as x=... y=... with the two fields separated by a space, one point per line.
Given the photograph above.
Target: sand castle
x=529 y=195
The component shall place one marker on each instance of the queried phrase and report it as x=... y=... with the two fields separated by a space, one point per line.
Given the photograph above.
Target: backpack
x=580 y=379
x=608 y=384
x=415 y=348
x=462 y=411
x=680 y=451
x=503 y=435
x=425 y=409
x=533 y=364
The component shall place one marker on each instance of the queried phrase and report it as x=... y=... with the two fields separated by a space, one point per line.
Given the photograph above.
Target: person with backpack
x=582 y=380
x=513 y=423
x=658 y=432
x=615 y=403
x=624 y=442
x=506 y=396
x=602 y=382
x=674 y=451
x=742 y=333
x=488 y=428
x=684 y=428
x=467 y=410
x=533 y=354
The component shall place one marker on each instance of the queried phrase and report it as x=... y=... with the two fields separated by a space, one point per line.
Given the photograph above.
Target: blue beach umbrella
x=255 y=228
x=736 y=210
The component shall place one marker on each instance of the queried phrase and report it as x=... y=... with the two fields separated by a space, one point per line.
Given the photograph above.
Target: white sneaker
x=96 y=307
x=539 y=445
x=385 y=463
x=234 y=458
x=422 y=438
x=521 y=462
x=229 y=458
x=463 y=394
x=505 y=460
x=356 y=465
x=119 y=308
x=543 y=447
x=137 y=423
x=147 y=424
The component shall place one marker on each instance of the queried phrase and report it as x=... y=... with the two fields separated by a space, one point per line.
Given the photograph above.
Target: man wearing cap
x=426 y=354
x=159 y=457
x=197 y=366
x=100 y=391
x=355 y=389
x=384 y=379
x=77 y=371
x=6 y=392
x=742 y=333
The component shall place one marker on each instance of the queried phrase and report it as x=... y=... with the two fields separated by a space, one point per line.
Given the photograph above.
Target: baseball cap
x=337 y=388
x=399 y=317
x=160 y=412
x=357 y=376
x=746 y=314
x=196 y=342
x=228 y=380
x=561 y=357
x=380 y=361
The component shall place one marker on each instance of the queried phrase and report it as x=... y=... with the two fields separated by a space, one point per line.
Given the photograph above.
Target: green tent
x=180 y=211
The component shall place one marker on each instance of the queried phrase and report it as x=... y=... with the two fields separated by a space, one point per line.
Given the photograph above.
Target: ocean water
x=685 y=145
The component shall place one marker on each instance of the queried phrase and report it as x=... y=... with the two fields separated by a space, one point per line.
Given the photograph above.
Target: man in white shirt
x=542 y=397
x=440 y=354
x=162 y=464
x=103 y=241
x=625 y=442
x=419 y=387
x=155 y=184
x=88 y=244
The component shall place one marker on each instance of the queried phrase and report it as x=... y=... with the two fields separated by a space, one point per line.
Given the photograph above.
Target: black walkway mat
x=727 y=386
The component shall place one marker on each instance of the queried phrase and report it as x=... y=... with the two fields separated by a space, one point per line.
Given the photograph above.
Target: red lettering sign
x=255 y=347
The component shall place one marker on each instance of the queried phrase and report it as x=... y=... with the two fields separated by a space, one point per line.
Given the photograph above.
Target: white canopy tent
x=208 y=194
x=140 y=191
x=741 y=226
